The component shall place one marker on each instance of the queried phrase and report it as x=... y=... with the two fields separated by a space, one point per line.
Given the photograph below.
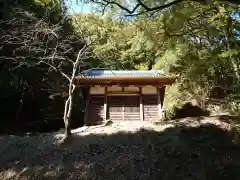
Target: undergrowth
x=176 y=96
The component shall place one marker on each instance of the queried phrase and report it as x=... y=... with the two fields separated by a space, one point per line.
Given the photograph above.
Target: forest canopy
x=195 y=41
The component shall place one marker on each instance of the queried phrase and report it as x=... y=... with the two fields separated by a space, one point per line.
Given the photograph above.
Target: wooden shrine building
x=123 y=95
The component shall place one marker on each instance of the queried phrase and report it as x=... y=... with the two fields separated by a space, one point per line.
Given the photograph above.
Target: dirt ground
x=182 y=149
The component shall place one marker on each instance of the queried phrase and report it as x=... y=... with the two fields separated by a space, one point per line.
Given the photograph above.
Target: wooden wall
x=95 y=110
x=122 y=107
x=145 y=89
x=115 y=108
x=150 y=107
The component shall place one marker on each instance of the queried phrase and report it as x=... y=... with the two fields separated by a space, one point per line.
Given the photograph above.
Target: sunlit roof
x=101 y=72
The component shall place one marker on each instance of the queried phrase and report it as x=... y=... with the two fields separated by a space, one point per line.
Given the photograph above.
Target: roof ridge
x=106 y=72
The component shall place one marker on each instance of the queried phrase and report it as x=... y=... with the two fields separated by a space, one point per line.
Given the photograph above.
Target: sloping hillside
x=188 y=149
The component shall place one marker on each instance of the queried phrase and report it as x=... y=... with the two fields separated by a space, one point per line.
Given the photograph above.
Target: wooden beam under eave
x=141 y=105
x=105 y=105
x=121 y=85
x=122 y=92
x=159 y=104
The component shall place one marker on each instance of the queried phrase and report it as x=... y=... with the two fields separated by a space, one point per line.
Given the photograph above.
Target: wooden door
x=150 y=107
x=95 y=110
x=131 y=109
x=124 y=108
x=115 y=108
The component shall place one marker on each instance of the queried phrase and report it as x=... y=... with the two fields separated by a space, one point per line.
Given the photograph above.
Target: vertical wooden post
x=105 y=105
x=86 y=110
x=141 y=104
x=159 y=104
x=123 y=107
x=123 y=113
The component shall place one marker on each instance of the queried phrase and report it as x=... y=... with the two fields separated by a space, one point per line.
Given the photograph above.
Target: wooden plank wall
x=150 y=107
x=95 y=114
x=123 y=107
x=115 y=108
x=131 y=108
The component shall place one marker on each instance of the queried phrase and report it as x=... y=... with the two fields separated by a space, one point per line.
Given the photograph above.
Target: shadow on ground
x=205 y=152
x=190 y=110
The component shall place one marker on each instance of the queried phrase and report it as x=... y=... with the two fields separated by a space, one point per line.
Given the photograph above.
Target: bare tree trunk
x=150 y=65
x=68 y=109
x=66 y=121
x=69 y=102
x=21 y=102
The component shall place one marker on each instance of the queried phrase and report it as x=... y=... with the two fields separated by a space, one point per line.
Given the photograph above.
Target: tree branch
x=147 y=9
x=57 y=70
x=131 y=12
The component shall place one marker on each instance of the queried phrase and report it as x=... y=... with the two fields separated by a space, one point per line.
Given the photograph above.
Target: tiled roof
x=96 y=72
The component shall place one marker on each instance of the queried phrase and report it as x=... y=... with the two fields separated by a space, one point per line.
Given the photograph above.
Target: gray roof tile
x=100 y=72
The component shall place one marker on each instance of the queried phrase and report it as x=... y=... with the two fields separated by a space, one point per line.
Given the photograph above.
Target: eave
x=123 y=81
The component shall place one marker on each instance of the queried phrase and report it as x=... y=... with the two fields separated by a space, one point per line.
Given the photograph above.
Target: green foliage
x=117 y=45
x=209 y=54
x=33 y=32
x=192 y=41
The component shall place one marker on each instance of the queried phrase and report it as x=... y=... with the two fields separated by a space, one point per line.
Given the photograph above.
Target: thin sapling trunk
x=69 y=101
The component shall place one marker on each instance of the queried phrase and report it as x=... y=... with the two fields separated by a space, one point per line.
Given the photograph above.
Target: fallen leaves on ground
x=182 y=149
